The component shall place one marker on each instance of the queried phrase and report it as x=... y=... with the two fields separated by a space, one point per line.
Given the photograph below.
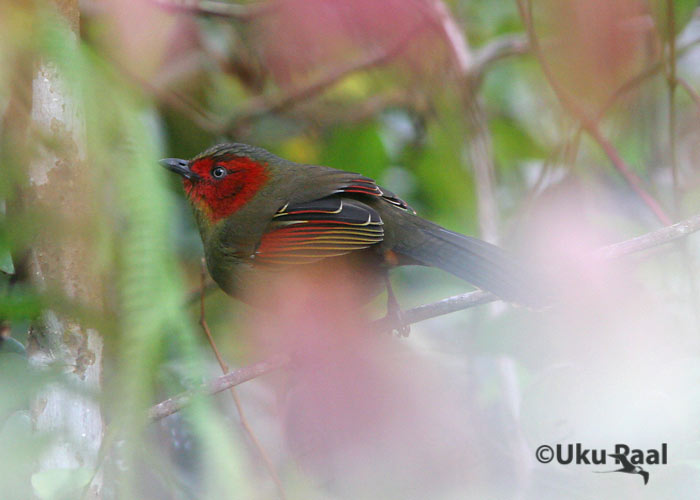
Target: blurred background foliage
x=445 y=103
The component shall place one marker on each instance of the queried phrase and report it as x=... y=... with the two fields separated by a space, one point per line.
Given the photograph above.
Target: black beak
x=179 y=166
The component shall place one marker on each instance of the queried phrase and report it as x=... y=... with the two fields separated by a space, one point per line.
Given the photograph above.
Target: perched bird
x=256 y=212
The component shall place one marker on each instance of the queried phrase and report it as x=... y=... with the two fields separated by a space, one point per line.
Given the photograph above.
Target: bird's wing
x=306 y=232
x=359 y=184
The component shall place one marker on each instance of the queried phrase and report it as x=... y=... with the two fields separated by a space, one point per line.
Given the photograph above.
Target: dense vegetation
x=550 y=127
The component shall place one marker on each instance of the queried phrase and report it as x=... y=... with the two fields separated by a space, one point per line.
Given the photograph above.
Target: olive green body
x=231 y=243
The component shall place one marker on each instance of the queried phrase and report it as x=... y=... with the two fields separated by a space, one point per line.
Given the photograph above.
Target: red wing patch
x=308 y=232
x=365 y=185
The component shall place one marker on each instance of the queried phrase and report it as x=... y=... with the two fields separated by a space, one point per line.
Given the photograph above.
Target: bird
x=257 y=213
x=627 y=467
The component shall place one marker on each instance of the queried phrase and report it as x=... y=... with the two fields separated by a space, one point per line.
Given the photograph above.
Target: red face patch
x=224 y=186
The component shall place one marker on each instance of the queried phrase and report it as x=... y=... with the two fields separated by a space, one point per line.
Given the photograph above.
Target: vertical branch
x=57 y=183
x=481 y=155
x=632 y=179
x=672 y=85
x=479 y=144
x=269 y=466
x=588 y=123
x=690 y=91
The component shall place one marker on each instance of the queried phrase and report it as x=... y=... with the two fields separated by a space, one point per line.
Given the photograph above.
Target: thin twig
x=217 y=385
x=481 y=156
x=445 y=306
x=588 y=123
x=650 y=240
x=260 y=106
x=456 y=41
x=638 y=79
x=263 y=105
x=435 y=309
x=632 y=179
x=478 y=138
x=690 y=91
x=241 y=413
x=672 y=84
x=500 y=48
x=179 y=102
x=195 y=295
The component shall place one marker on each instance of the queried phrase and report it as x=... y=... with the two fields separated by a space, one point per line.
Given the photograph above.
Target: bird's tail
x=480 y=263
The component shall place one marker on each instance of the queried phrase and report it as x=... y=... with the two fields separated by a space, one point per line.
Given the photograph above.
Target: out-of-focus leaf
x=512 y=143
x=357 y=85
x=358 y=149
x=301 y=149
x=445 y=179
x=487 y=18
x=6 y=265
x=55 y=484
x=19 y=449
x=682 y=12
x=19 y=304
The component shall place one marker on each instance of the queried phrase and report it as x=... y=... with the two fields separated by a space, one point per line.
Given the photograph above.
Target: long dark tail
x=480 y=263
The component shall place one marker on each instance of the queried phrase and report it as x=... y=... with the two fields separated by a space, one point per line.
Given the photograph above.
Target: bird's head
x=220 y=180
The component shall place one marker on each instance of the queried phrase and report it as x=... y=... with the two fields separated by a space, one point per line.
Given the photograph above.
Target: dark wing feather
x=365 y=185
x=307 y=232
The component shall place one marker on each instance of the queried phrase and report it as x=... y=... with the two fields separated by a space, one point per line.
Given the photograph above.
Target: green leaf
x=682 y=12
x=356 y=148
x=512 y=142
x=6 y=265
x=19 y=304
x=446 y=182
x=55 y=484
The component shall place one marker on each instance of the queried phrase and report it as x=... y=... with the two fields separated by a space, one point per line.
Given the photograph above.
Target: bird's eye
x=218 y=172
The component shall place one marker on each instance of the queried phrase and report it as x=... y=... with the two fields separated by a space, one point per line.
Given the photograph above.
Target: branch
x=259 y=106
x=456 y=41
x=626 y=171
x=262 y=105
x=478 y=137
x=194 y=296
x=332 y=113
x=635 y=81
x=219 y=384
x=269 y=466
x=588 y=123
x=500 y=48
x=435 y=309
x=421 y=313
x=690 y=91
x=216 y=9
x=650 y=240
x=182 y=103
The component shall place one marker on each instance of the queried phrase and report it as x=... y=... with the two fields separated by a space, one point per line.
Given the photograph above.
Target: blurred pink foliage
x=360 y=410
x=144 y=37
x=594 y=46
x=302 y=37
